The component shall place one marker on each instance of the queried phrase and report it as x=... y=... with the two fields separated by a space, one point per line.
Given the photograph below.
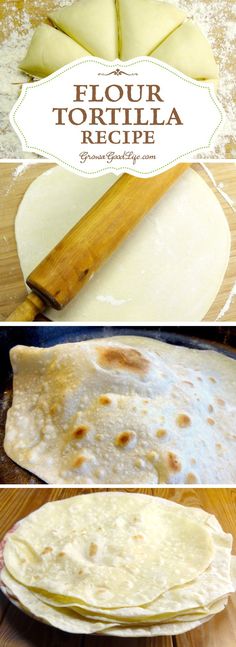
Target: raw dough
x=125 y=28
x=50 y=49
x=144 y=24
x=92 y=23
x=169 y=269
x=179 y=50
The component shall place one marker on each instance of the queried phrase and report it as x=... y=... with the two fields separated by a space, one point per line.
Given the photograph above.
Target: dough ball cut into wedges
x=50 y=50
x=92 y=24
x=144 y=24
x=188 y=51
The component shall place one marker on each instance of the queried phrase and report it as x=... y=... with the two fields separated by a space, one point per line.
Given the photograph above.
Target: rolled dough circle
x=169 y=269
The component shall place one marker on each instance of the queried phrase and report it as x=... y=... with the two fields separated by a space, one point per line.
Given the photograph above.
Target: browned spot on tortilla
x=124 y=438
x=173 y=461
x=210 y=422
x=191 y=478
x=220 y=402
x=183 y=420
x=193 y=461
x=161 y=433
x=218 y=446
x=152 y=456
x=92 y=549
x=46 y=550
x=199 y=378
x=187 y=382
x=80 y=432
x=104 y=399
x=212 y=379
x=124 y=359
x=79 y=461
x=61 y=554
x=210 y=408
x=138 y=537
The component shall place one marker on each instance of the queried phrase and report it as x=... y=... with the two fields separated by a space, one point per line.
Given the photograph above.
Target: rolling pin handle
x=29 y=309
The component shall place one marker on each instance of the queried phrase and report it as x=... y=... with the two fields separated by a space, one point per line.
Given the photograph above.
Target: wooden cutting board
x=18 y=630
x=12 y=189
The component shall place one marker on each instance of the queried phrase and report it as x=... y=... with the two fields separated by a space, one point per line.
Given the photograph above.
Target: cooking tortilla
x=123 y=410
x=170 y=268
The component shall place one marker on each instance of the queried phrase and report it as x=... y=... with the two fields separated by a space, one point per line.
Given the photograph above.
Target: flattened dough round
x=169 y=269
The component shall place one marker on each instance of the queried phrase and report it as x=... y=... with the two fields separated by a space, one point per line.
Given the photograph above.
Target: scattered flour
x=21 y=168
x=215 y=17
x=228 y=303
x=13 y=47
x=220 y=188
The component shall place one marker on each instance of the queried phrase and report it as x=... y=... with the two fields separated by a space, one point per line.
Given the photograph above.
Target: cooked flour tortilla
x=123 y=553
x=123 y=410
x=194 y=597
x=169 y=269
x=107 y=522
x=72 y=623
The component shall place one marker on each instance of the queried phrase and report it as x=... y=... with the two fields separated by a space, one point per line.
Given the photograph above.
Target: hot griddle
x=220 y=339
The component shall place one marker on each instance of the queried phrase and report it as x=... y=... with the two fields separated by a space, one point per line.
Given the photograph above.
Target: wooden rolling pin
x=62 y=274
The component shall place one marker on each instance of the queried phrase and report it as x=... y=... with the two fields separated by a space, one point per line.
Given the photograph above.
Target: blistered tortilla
x=126 y=553
x=42 y=538
x=123 y=410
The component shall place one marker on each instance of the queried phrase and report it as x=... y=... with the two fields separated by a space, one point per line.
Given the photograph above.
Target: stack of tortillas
x=119 y=563
x=123 y=410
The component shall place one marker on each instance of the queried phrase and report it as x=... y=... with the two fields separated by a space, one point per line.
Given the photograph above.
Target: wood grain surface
x=18 y=630
x=12 y=189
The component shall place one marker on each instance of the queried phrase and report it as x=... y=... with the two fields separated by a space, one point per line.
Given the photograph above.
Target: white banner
x=94 y=117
